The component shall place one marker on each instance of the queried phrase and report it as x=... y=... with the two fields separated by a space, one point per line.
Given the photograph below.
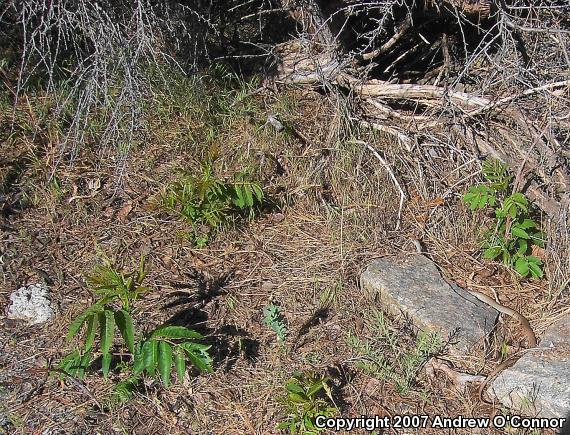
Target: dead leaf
x=539 y=252
x=436 y=202
x=124 y=211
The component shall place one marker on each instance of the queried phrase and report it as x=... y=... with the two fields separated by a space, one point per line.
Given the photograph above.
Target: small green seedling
x=104 y=318
x=210 y=203
x=308 y=396
x=273 y=318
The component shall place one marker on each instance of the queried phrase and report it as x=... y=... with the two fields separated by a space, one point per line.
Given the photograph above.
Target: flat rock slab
x=415 y=288
x=539 y=382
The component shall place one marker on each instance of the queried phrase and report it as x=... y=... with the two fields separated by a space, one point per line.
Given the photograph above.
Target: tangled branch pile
x=470 y=77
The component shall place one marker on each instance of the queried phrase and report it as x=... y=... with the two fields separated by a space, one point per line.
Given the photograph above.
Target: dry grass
x=337 y=209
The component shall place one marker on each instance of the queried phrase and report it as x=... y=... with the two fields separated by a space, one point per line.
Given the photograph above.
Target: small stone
x=415 y=288
x=31 y=304
x=538 y=383
x=275 y=123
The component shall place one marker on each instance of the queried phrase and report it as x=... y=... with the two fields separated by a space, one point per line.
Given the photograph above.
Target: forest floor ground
x=331 y=208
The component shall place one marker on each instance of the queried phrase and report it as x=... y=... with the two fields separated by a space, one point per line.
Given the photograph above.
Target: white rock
x=31 y=304
x=539 y=382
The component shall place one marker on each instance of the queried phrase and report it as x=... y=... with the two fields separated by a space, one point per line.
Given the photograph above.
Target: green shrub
x=153 y=353
x=210 y=204
x=514 y=232
x=305 y=402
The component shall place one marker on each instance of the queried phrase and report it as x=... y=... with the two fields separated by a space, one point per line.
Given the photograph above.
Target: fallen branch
x=526 y=93
x=392 y=176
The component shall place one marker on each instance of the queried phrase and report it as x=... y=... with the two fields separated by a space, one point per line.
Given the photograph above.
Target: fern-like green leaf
x=497 y=173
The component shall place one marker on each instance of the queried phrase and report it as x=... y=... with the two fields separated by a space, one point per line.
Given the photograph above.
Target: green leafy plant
x=514 y=232
x=171 y=345
x=210 y=203
x=154 y=353
x=308 y=396
x=103 y=318
x=273 y=318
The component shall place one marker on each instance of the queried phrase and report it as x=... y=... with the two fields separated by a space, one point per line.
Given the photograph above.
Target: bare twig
x=392 y=176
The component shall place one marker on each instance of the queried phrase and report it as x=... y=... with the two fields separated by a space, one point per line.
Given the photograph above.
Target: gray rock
x=31 y=304
x=539 y=382
x=415 y=288
x=275 y=123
